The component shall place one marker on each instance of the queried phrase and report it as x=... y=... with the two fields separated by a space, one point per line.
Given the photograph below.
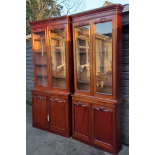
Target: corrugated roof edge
x=126 y=8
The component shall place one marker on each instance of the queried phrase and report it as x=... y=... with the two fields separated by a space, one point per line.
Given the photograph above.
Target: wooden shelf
x=59 y=76
x=40 y=64
x=57 y=51
x=43 y=76
x=103 y=65
x=103 y=51
x=105 y=84
x=83 y=81
x=38 y=51
x=99 y=79
x=83 y=47
x=59 y=47
x=103 y=38
x=58 y=38
x=39 y=39
x=83 y=37
x=82 y=52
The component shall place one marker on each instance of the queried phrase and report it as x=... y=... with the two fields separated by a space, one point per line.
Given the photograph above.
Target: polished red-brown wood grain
x=81 y=122
x=40 y=111
x=39 y=29
x=118 y=126
x=105 y=126
x=57 y=116
x=45 y=26
x=97 y=128
x=114 y=14
x=82 y=92
x=119 y=56
x=59 y=112
x=102 y=126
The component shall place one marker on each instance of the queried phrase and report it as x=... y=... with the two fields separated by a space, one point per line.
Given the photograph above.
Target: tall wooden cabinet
x=53 y=74
x=96 y=103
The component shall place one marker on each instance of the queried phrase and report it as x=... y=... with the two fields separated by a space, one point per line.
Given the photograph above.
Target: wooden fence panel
x=29 y=73
x=125 y=79
x=125 y=52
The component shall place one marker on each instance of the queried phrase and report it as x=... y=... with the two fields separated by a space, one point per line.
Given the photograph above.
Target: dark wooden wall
x=29 y=72
x=125 y=76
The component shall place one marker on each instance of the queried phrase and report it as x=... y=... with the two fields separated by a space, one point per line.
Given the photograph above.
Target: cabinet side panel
x=103 y=126
x=119 y=56
x=119 y=126
x=70 y=57
x=81 y=122
x=69 y=117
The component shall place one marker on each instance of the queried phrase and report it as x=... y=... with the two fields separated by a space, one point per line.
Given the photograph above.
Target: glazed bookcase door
x=82 y=57
x=103 y=126
x=81 y=114
x=103 y=59
x=58 y=67
x=40 y=112
x=40 y=58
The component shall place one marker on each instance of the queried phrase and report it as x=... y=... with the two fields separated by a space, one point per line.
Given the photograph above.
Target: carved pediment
x=102 y=20
x=81 y=24
x=57 y=27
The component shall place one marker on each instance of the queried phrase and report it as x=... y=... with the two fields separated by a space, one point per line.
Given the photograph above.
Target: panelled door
x=102 y=126
x=81 y=119
x=40 y=110
x=57 y=114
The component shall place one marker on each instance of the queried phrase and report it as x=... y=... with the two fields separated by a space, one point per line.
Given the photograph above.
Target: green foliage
x=41 y=9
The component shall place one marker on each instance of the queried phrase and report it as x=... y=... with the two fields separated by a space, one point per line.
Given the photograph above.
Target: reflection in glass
x=82 y=58
x=58 y=64
x=103 y=48
x=40 y=58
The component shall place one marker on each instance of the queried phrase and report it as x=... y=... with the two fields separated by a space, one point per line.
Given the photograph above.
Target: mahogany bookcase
x=53 y=74
x=96 y=103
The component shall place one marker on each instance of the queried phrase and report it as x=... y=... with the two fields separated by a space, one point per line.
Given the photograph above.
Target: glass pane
x=40 y=59
x=103 y=48
x=58 y=59
x=82 y=58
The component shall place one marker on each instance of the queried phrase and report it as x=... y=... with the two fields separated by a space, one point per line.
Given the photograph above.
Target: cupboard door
x=58 y=114
x=40 y=116
x=102 y=126
x=40 y=58
x=81 y=118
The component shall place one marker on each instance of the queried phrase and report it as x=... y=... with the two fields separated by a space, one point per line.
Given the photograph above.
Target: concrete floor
x=39 y=142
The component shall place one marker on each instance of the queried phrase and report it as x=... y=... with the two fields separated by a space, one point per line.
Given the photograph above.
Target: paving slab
x=40 y=142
